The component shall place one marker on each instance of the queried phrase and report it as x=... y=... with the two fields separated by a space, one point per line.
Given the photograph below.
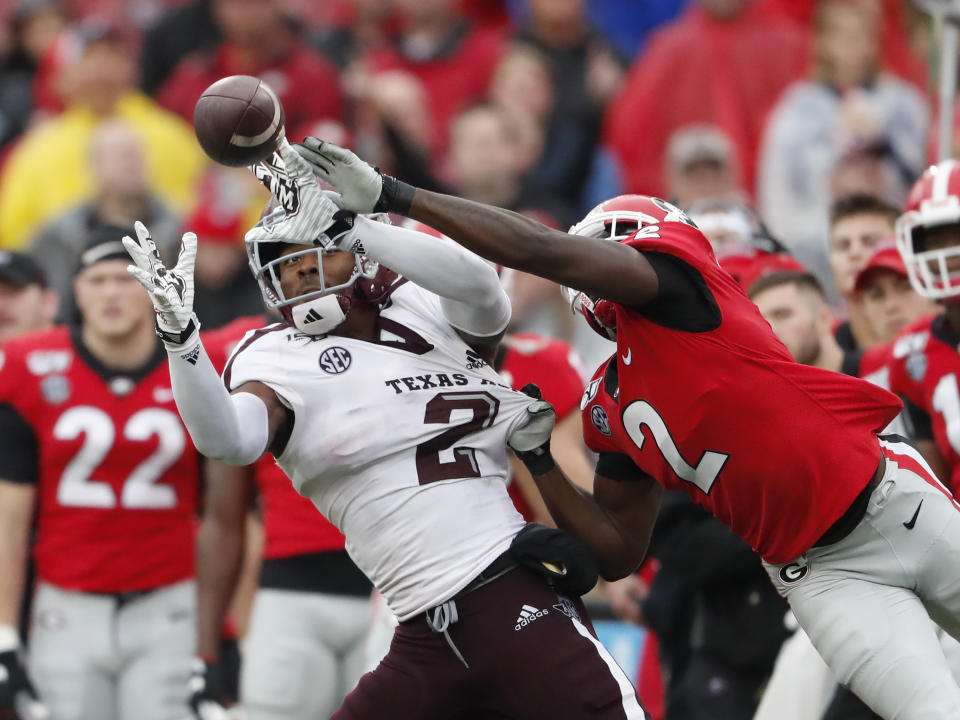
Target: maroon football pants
x=525 y=653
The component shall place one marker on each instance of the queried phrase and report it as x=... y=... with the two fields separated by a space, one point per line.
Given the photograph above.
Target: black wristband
x=395 y=197
x=539 y=461
x=176 y=338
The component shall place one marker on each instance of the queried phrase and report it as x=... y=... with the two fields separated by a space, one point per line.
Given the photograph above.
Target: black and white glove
x=18 y=698
x=311 y=214
x=170 y=290
x=209 y=698
x=531 y=441
x=362 y=187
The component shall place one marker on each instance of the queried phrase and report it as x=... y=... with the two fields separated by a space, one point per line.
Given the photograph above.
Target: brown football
x=238 y=120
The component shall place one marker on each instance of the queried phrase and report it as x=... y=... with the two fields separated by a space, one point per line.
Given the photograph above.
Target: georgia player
x=925 y=364
x=701 y=396
x=311 y=612
x=375 y=399
x=92 y=446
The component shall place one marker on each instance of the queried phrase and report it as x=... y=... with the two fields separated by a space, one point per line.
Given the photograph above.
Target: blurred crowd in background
x=542 y=106
x=789 y=130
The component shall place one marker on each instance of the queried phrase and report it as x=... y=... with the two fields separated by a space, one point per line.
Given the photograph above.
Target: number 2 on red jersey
x=640 y=413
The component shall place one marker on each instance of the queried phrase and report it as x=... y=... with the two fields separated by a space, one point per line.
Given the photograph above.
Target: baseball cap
x=104 y=243
x=20 y=269
x=886 y=257
x=749 y=266
x=696 y=144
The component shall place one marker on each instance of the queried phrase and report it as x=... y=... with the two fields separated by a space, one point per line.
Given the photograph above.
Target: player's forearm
x=470 y=292
x=576 y=510
x=231 y=428
x=13 y=560
x=605 y=269
x=220 y=550
x=16 y=512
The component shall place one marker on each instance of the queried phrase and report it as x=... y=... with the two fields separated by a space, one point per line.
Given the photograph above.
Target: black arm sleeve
x=684 y=302
x=18 y=447
x=920 y=426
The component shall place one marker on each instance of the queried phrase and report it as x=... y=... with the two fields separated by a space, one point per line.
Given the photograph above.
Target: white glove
x=309 y=210
x=535 y=433
x=363 y=188
x=170 y=290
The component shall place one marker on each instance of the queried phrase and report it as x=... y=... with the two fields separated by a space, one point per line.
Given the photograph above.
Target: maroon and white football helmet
x=934 y=201
x=320 y=311
x=617 y=219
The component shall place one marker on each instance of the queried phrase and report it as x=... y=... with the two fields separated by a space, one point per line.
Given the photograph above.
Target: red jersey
x=924 y=371
x=291 y=523
x=554 y=366
x=115 y=469
x=776 y=450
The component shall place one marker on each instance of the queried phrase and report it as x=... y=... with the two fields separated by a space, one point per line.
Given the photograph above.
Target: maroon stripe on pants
x=535 y=668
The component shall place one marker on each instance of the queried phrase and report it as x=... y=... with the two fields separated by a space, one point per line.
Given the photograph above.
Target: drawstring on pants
x=443 y=616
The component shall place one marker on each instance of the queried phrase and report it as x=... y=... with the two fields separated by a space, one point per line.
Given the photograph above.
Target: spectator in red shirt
x=259 y=41
x=452 y=60
x=723 y=62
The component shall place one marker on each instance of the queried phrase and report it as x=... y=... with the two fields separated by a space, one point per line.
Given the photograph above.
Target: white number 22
x=140 y=489
x=640 y=413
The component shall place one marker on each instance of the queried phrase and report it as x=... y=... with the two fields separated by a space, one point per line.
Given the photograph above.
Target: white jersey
x=400 y=443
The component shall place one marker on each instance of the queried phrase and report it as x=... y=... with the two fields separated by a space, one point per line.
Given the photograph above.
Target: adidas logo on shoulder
x=528 y=614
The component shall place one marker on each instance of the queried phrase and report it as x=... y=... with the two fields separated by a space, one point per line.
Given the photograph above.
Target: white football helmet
x=617 y=219
x=934 y=201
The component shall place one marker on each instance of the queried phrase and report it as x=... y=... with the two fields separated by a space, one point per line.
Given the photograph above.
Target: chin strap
x=318 y=316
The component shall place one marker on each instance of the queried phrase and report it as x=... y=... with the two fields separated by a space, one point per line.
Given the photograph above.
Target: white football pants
x=864 y=601
x=93 y=660
x=302 y=654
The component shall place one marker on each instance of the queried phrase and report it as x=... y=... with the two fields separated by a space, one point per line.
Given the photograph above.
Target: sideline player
x=702 y=396
x=91 y=442
x=925 y=361
x=375 y=400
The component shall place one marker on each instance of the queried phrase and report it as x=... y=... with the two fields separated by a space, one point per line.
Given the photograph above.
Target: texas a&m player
x=855 y=530
x=376 y=397
x=91 y=443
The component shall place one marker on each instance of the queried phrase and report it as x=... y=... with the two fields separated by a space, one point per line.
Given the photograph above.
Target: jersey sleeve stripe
x=247 y=342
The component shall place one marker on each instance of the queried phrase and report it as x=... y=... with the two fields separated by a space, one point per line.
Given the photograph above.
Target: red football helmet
x=617 y=219
x=934 y=201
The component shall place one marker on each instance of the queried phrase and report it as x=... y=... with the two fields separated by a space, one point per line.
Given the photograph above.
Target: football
x=238 y=120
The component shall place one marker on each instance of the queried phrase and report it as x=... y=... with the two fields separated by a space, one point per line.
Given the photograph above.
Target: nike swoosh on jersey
x=913 y=521
x=628 y=358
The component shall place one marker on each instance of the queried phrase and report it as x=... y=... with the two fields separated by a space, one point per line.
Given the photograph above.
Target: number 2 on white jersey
x=640 y=413
x=140 y=489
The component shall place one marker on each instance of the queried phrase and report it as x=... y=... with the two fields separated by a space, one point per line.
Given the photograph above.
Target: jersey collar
x=108 y=374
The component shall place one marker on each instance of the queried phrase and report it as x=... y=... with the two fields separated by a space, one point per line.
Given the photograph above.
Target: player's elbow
x=231 y=453
x=619 y=561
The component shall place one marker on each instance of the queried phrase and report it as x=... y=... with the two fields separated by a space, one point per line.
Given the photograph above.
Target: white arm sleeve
x=232 y=428
x=472 y=299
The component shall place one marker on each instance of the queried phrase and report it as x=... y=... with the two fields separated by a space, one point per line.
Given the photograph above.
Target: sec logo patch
x=598 y=416
x=335 y=360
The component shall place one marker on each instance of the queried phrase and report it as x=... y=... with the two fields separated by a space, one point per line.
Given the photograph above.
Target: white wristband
x=9 y=638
